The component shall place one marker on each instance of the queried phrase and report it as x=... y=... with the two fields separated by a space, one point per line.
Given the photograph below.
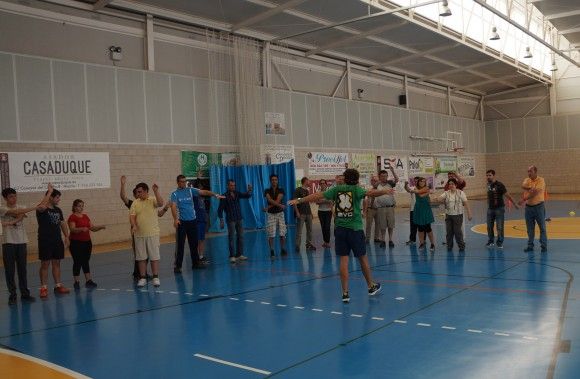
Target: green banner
x=195 y=164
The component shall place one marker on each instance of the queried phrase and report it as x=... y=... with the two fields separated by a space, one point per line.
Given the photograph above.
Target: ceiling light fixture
x=494 y=35
x=528 y=53
x=445 y=11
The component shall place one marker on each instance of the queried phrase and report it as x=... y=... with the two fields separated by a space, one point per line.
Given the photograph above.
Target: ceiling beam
x=563 y=14
x=101 y=4
x=349 y=40
x=569 y=31
x=266 y=14
x=459 y=69
x=412 y=56
x=484 y=82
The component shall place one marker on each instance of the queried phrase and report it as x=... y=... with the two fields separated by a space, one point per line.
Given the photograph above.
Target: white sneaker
x=142 y=282
x=243 y=258
x=156 y=282
x=232 y=259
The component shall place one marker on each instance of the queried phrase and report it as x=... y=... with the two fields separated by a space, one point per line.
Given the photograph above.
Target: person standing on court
x=534 y=187
x=324 y=214
x=14 y=244
x=348 y=233
x=230 y=204
x=412 y=226
x=422 y=213
x=385 y=206
x=496 y=192
x=185 y=222
x=51 y=246
x=461 y=183
x=455 y=201
x=303 y=216
x=370 y=214
x=81 y=246
x=202 y=219
x=275 y=215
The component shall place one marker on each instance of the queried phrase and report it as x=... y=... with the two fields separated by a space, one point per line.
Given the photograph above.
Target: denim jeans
x=496 y=215
x=236 y=228
x=536 y=214
x=14 y=256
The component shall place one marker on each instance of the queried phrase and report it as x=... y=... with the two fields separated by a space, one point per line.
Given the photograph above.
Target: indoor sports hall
x=471 y=105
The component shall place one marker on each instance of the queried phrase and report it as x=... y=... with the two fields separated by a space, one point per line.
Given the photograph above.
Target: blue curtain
x=259 y=177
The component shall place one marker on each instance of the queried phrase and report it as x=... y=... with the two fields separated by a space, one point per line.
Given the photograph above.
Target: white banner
x=275 y=123
x=326 y=164
x=421 y=166
x=273 y=154
x=400 y=165
x=31 y=172
x=466 y=166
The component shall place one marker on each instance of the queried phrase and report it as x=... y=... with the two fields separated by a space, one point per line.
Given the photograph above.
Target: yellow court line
x=557 y=228
x=15 y=365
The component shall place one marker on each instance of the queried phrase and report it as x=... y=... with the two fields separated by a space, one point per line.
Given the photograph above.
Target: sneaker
x=529 y=249
x=391 y=244
x=232 y=259
x=345 y=297
x=499 y=245
x=61 y=290
x=12 y=299
x=378 y=240
x=283 y=252
x=156 y=281
x=544 y=249
x=375 y=288
x=136 y=276
x=28 y=298
x=204 y=260
x=242 y=258
x=310 y=247
x=77 y=286
x=90 y=284
x=177 y=270
x=382 y=244
x=422 y=246
x=297 y=249
x=410 y=243
x=489 y=244
x=43 y=292
x=141 y=282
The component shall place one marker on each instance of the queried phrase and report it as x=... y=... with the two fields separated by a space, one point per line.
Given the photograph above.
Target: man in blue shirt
x=184 y=221
x=231 y=205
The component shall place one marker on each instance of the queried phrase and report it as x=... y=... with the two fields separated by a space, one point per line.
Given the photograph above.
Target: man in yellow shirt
x=534 y=188
x=145 y=229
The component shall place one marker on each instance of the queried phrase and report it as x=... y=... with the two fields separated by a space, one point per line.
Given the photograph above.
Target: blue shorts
x=201 y=231
x=346 y=240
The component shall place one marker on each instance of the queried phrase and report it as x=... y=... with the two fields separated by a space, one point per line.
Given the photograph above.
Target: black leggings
x=325 y=218
x=81 y=253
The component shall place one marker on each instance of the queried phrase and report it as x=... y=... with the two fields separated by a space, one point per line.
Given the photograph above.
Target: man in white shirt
x=385 y=206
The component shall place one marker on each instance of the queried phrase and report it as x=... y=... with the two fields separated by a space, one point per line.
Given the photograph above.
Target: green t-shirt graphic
x=347 y=200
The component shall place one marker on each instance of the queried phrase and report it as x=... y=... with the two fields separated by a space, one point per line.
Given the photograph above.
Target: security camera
x=360 y=92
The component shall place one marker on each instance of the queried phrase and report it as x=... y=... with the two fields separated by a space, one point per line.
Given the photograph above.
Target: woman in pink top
x=80 y=242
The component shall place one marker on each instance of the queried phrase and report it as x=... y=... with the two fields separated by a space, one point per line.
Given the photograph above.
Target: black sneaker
x=529 y=249
x=12 y=299
x=391 y=244
x=489 y=244
x=297 y=249
x=346 y=297
x=499 y=245
x=204 y=260
x=177 y=270
x=432 y=247
x=283 y=252
x=375 y=288
x=544 y=249
x=378 y=241
x=77 y=286
x=382 y=244
x=28 y=298
x=272 y=255
x=410 y=243
x=90 y=284
x=310 y=247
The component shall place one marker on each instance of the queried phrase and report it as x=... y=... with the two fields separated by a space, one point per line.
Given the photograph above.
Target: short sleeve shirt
x=495 y=193
x=303 y=208
x=273 y=195
x=14 y=234
x=49 y=225
x=453 y=202
x=146 y=213
x=82 y=221
x=385 y=200
x=459 y=186
x=183 y=199
x=347 y=200
x=538 y=184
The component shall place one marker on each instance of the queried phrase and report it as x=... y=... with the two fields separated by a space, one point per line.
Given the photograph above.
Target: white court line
x=101 y=289
x=448 y=327
x=264 y=302
x=130 y=290
x=232 y=364
x=336 y=313
x=144 y=290
x=234 y=298
x=115 y=289
x=159 y=291
x=249 y=301
x=399 y=298
x=173 y=292
x=281 y=305
x=317 y=310
x=422 y=324
x=400 y=321
x=355 y=315
x=203 y=295
x=378 y=318
x=188 y=293
x=474 y=331
x=298 y=307
x=530 y=338
x=502 y=334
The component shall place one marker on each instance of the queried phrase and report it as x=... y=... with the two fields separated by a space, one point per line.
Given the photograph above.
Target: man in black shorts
x=349 y=234
x=50 y=243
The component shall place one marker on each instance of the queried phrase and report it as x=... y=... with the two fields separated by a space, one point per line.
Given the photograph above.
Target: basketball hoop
x=458 y=150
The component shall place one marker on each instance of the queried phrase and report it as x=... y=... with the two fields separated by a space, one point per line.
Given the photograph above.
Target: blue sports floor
x=482 y=314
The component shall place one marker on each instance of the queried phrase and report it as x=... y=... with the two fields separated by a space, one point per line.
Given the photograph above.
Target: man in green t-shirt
x=348 y=232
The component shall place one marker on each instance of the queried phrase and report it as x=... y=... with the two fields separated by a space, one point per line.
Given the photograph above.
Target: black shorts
x=424 y=228
x=347 y=239
x=50 y=250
